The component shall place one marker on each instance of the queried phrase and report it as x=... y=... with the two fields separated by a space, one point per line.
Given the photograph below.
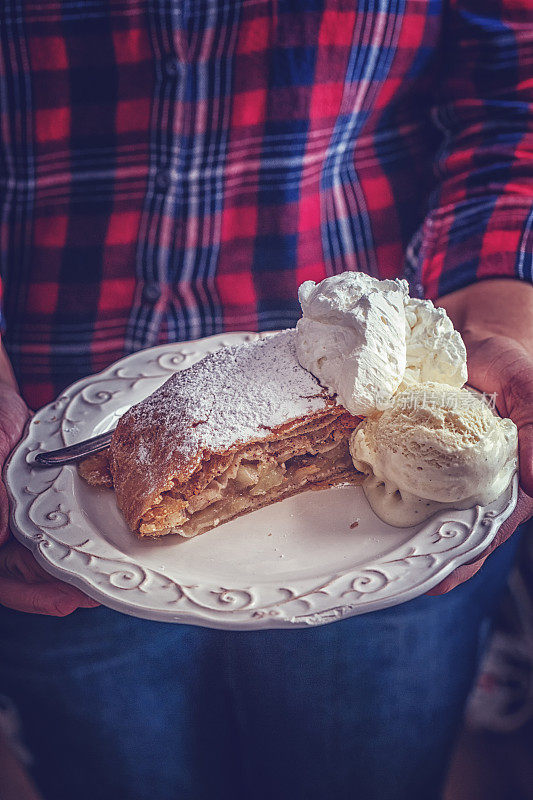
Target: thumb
x=525 y=450
x=13 y=416
x=4 y=515
x=498 y=365
x=517 y=388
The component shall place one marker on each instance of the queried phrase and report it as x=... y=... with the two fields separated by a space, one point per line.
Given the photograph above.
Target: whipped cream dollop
x=352 y=337
x=435 y=351
x=435 y=447
x=364 y=339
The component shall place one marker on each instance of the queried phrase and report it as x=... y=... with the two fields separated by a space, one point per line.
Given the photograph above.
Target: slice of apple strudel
x=245 y=427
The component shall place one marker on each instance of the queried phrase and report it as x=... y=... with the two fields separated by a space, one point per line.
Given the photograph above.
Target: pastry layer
x=242 y=428
x=256 y=475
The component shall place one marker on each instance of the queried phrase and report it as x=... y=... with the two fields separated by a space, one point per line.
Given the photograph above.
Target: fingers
x=17 y=562
x=517 y=385
x=525 y=447
x=42 y=598
x=26 y=586
x=458 y=576
x=13 y=416
x=4 y=515
x=501 y=366
x=522 y=512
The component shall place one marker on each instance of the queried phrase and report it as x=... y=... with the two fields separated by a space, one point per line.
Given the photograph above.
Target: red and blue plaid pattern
x=174 y=168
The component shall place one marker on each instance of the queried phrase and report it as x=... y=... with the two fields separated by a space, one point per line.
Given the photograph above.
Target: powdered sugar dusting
x=142 y=453
x=234 y=395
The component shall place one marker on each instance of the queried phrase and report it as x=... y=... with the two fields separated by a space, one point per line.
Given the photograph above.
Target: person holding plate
x=174 y=170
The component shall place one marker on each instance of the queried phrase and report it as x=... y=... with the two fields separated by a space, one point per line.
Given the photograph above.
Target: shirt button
x=162 y=180
x=171 y=66
x=151 y=293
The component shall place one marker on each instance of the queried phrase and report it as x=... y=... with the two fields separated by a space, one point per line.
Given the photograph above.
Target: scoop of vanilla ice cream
x=435 y=351
x=436 y=446
x=352 y=337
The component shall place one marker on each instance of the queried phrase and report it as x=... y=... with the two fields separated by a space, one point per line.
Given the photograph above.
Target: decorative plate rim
x=444 y=542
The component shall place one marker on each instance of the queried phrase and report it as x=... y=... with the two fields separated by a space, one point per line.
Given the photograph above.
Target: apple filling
x=253 y=477
x=224 y=486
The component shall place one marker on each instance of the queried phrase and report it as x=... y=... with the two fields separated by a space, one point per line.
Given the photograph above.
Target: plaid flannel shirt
x=175 y=168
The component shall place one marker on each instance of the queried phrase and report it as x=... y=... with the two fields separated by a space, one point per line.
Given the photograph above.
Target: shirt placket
x=163 y=202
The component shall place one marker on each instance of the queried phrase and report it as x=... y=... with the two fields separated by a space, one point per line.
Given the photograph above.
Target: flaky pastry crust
x=242 y=428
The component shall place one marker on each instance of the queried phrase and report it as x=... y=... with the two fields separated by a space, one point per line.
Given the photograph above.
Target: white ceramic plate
x=311 y=559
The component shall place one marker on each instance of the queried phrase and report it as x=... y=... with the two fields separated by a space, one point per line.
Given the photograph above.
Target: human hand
x=24 y=585
x=495 y=319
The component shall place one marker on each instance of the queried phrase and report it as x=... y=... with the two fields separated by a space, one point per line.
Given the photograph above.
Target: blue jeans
x=120 y=708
